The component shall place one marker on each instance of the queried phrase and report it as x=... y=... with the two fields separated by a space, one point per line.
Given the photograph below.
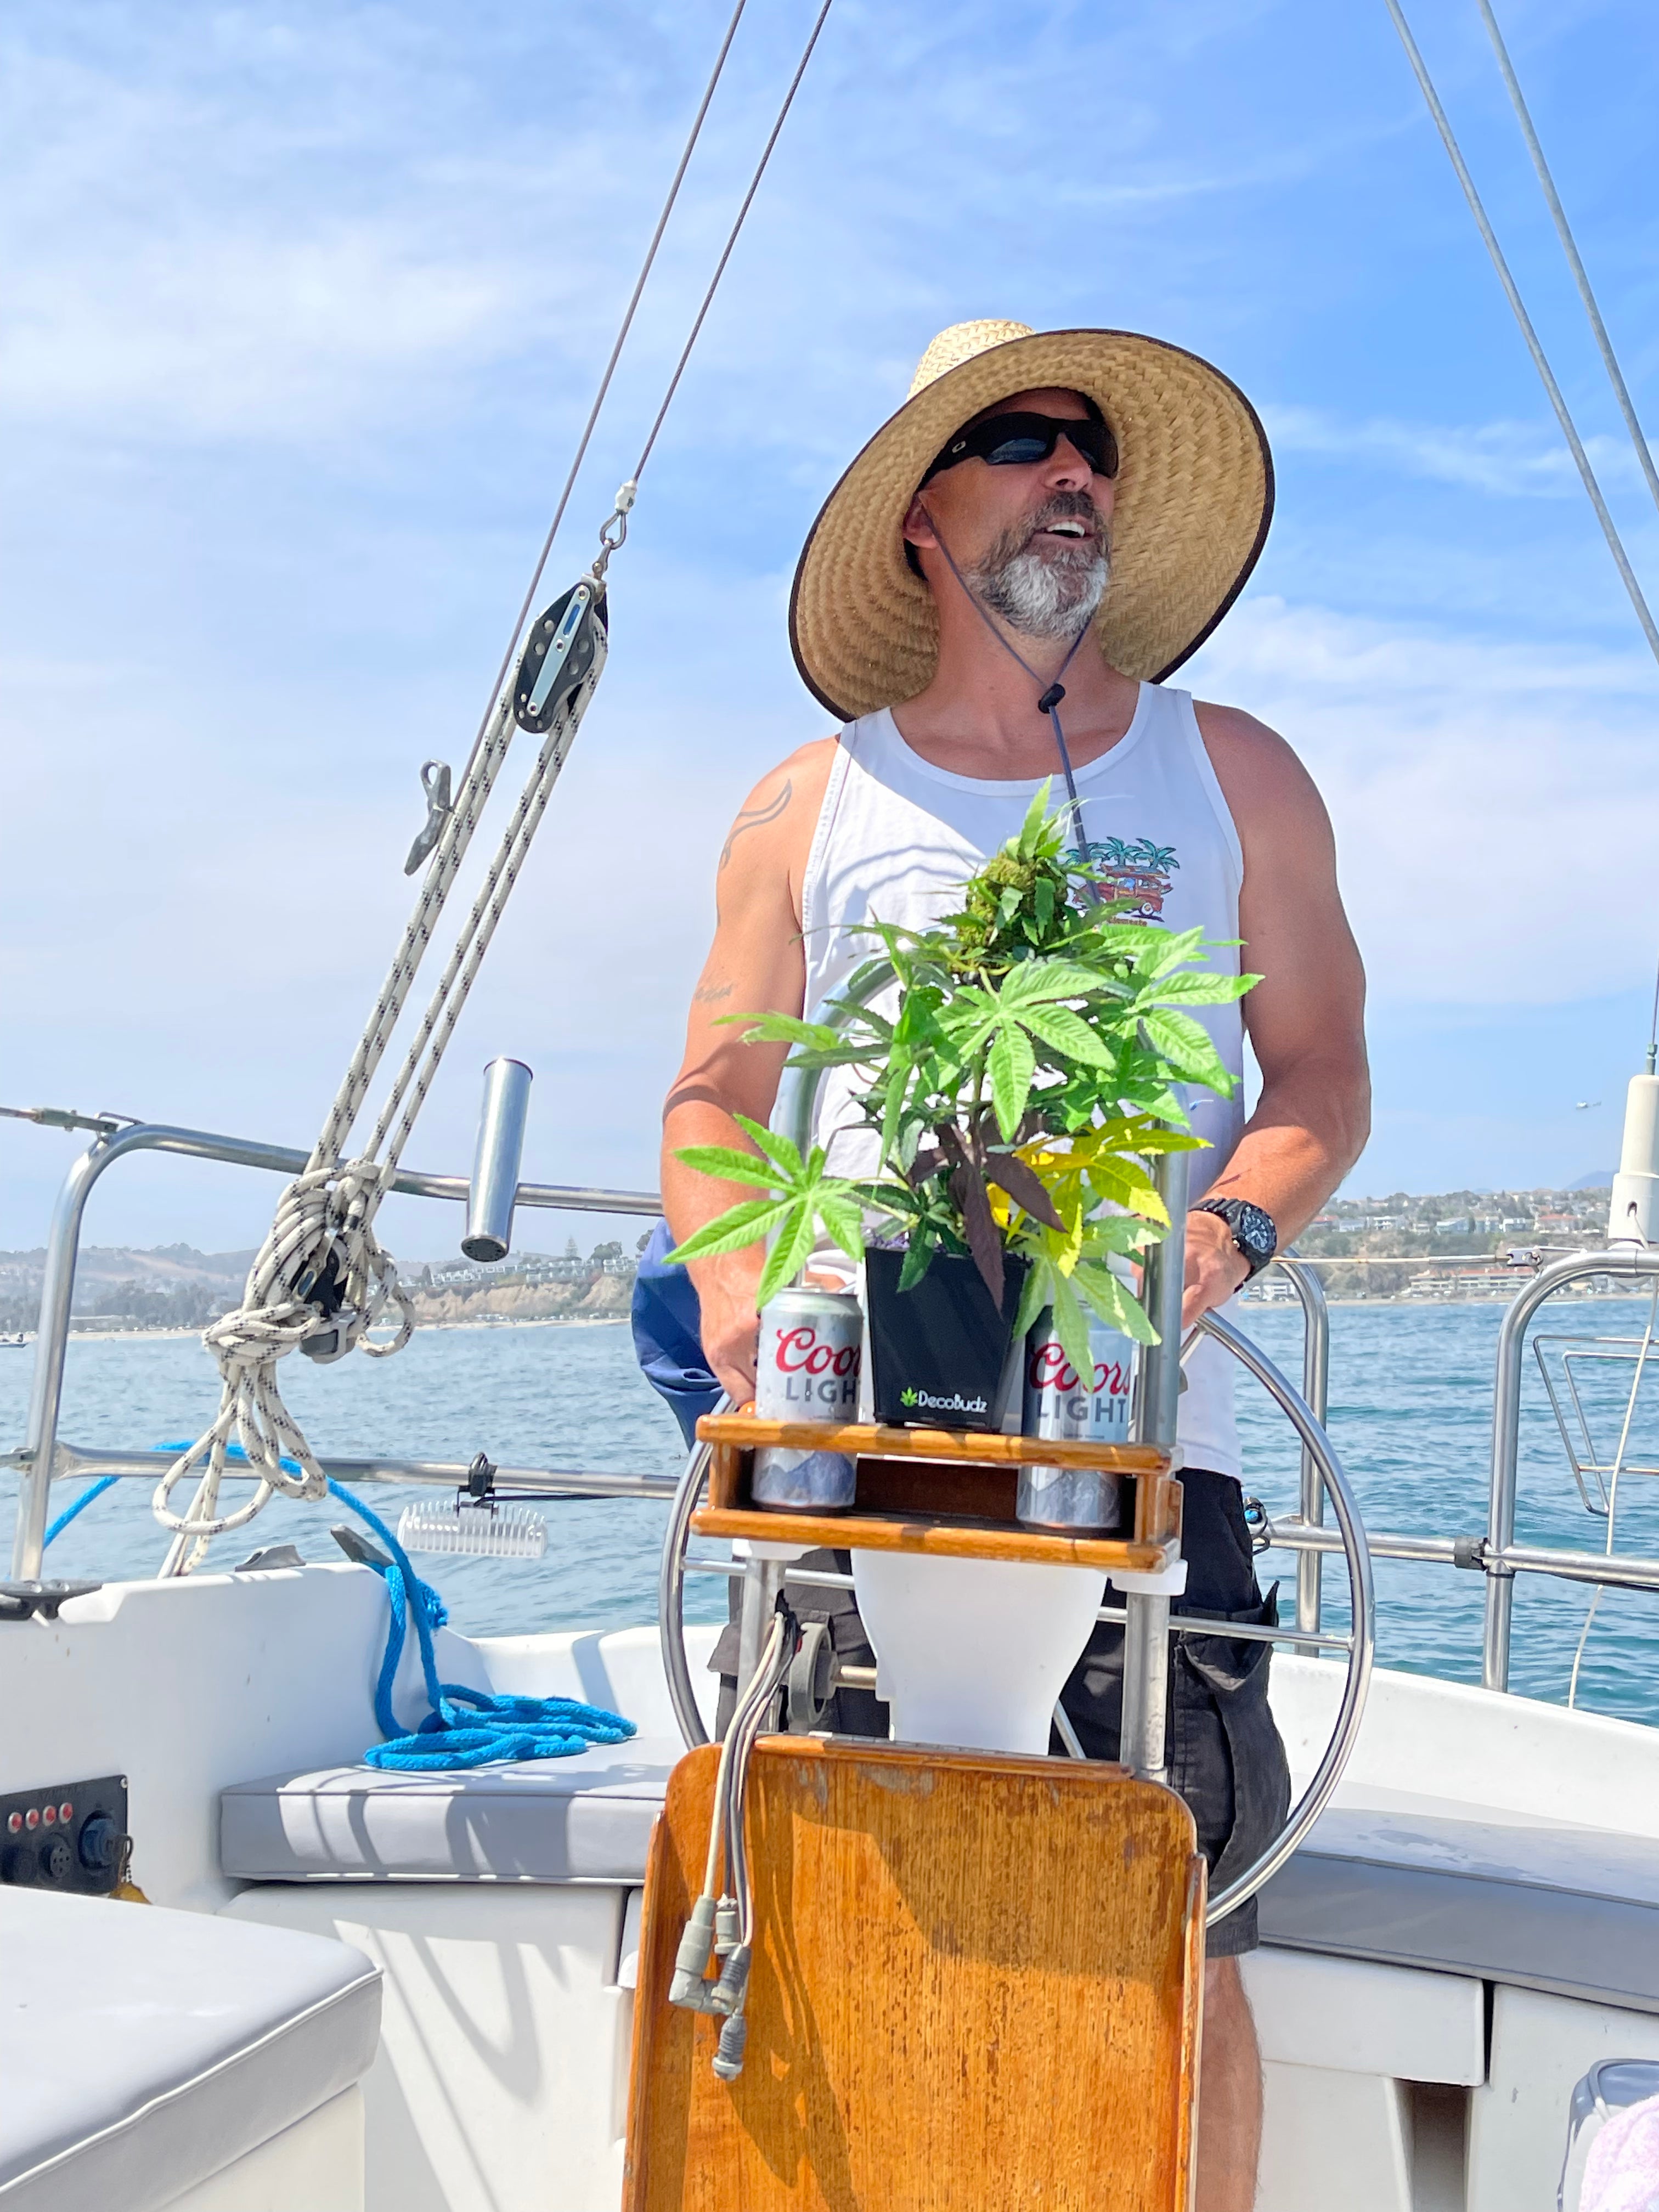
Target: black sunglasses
x=1016 y=441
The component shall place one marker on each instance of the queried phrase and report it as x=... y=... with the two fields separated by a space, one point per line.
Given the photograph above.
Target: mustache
x=1066 y=507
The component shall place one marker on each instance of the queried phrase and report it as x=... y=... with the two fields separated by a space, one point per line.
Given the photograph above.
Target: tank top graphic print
x=897 y=837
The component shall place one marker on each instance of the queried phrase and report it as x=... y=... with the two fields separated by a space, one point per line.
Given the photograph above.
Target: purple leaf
x=1023 y=1186
x=973 y=1201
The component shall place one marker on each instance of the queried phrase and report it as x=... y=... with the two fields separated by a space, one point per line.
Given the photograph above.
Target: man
x=1055 y=519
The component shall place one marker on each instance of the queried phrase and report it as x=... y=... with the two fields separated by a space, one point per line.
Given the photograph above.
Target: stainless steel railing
x=1316 y=1392
x=37 y=1460
x=1500 y=1557
x=42 y=1459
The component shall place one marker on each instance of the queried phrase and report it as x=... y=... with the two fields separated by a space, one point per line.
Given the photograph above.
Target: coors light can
x=810 y=1350
x=1058 y=1402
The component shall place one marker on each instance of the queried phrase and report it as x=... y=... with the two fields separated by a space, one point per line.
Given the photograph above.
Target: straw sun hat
x=1195 y=496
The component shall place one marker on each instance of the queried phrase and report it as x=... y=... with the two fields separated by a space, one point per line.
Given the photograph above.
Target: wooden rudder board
x=975 y=1985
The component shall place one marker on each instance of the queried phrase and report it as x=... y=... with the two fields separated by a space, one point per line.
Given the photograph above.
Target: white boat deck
x=1474 y=1921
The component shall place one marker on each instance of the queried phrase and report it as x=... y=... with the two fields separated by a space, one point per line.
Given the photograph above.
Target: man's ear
x=917 y=530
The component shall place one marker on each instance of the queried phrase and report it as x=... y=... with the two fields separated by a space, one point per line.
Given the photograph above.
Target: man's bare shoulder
x=774 y=824
x=1260 y=774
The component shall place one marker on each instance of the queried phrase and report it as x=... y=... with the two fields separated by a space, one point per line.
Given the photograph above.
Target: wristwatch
x=1253 y=1229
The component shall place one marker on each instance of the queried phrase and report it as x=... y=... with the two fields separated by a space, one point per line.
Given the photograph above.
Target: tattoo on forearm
x=706 y=994
x=752 y=819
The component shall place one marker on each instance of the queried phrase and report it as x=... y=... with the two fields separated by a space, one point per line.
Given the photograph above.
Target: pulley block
x=558 y=656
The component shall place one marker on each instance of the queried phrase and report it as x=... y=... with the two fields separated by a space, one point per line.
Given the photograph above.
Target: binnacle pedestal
x=976 y=1621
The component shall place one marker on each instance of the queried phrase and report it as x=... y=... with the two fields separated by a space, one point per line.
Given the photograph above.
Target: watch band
x=1253 y=1230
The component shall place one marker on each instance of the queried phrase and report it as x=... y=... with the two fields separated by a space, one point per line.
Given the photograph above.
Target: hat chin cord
x=1048 y=700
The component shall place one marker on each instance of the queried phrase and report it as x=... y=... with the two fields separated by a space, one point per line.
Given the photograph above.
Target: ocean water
x=1411 y=1413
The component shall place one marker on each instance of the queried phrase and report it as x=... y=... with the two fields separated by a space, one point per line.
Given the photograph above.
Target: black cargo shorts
x=1225 y=1753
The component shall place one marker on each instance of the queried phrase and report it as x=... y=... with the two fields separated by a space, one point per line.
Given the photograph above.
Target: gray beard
x=1042 y=595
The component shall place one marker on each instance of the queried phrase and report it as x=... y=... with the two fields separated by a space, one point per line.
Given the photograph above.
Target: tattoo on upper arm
x=706 y=994
x=753 y=819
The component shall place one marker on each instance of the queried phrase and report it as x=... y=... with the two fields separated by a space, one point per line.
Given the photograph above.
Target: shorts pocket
x=1223 y=1719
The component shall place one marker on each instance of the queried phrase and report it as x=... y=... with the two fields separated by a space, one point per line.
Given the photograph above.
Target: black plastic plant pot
x=939 y=1351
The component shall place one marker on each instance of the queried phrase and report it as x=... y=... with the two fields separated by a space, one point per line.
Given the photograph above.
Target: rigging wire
x=732 y=239
x=1569 y=248
x=625 y=326
x=1609 y=529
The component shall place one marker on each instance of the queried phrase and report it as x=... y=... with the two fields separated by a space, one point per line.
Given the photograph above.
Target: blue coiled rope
x=463 y=1728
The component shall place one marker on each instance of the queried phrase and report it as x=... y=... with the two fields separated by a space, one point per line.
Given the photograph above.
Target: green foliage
x=1018 y=1091
x=804 y=1198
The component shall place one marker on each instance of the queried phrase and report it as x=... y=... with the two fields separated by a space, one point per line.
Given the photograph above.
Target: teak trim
x=931 y=1519
x=986 y=1447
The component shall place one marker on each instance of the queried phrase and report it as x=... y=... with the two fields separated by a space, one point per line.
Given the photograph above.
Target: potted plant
x=1019 y=1090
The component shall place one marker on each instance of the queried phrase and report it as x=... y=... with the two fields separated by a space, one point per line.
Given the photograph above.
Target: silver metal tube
x=762 y=1581
x=1574 y=1267
x=1351 y=1709
x=51 y=1346
x=496 y=1163
x=1315 y=1391
x=1147 y=1619
x=670 y=1592
x=72 y=1464
x=1608 y=1569
x=1145 y=1684
x=1165 y=1275
x=1437 y=1551
x=1204 y=1624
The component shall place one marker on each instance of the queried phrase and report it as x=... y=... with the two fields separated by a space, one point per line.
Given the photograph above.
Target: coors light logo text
x=808 y=1377
x=1048 y=1369
x=801 y=1351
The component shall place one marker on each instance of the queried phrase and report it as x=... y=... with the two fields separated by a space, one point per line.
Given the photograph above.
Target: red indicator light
x=50 y=1816
x=14 y=1823
x=66 y=1813
x=31 y=1819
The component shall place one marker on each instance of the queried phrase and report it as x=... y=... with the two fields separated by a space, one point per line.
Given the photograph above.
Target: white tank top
x=897 y=837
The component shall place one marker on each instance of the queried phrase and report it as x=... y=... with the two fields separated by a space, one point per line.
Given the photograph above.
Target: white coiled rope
x=324 y=1231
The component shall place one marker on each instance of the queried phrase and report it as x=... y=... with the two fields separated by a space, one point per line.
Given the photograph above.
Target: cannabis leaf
x=805 y=1197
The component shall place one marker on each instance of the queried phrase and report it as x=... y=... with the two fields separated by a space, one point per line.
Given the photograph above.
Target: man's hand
x=731 y=1327
x=1215 y=1266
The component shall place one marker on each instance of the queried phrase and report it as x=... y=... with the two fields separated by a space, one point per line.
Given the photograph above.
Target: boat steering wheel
x=1360 y=1642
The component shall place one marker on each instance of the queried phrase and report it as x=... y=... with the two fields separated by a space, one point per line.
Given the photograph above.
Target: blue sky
x=304 y=306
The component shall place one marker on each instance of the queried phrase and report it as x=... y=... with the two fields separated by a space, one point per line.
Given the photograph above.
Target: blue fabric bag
x=668 y=1336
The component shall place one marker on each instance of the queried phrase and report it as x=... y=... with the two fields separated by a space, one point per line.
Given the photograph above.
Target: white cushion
x=585 y=1819
x=1571 y=1911
x=141 y=2050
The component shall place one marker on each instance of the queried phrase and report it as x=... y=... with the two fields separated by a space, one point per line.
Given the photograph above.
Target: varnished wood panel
x=975 y=1986
x=935 y=1539
x=748 y=1430
x=914 y=1496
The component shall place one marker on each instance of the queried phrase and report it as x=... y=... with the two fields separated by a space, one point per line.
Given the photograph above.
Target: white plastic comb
x=501 y=1531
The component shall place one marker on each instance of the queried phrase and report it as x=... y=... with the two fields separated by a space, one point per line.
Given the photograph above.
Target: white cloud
x=1509 y=460
x=1485 y=792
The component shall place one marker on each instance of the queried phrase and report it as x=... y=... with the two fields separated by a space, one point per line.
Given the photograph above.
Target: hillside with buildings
x=174 y=1286
x=1460 y=1243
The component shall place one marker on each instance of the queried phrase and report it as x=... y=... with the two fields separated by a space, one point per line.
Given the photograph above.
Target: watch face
x=1255 y=1231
